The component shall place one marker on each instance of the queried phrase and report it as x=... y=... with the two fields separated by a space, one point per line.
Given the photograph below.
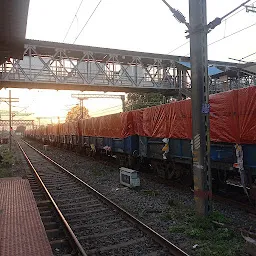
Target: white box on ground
x=129 y=177
x=45 y=147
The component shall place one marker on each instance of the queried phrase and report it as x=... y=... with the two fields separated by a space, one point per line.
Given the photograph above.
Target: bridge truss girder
x=49 y=65
x=17 y=123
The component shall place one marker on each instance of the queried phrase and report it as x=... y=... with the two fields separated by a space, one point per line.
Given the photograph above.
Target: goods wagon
x=160 y=137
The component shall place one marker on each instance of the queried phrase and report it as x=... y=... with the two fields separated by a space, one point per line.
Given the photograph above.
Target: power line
x=236 y=32
x=241 y=5
x=178 y=47
x=88 y=20
x=107 y=109
x=224 y=22
x=73 y=19
x=248 y=56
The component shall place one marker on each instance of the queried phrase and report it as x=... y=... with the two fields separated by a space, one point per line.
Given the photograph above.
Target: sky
x=138 y=25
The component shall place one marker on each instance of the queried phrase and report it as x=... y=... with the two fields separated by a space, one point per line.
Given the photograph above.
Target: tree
x=143 y=100
x=75 y=114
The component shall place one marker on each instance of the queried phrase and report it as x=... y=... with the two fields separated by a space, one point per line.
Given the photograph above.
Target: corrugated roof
x=211 y=70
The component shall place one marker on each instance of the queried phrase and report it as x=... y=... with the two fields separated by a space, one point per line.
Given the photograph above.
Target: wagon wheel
x=222 y=176
x=122 y=160
x=171 y=171
x=162 y=168
x=179 y=170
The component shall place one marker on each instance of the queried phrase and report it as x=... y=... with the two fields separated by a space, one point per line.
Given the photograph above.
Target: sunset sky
x=138 y=25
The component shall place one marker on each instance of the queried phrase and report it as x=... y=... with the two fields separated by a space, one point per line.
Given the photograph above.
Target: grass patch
x=212 y=239
x=151 y=192
x=177 y=211
x=97 y=173
x=5 y=172
x=8 y=159
x=6 y=163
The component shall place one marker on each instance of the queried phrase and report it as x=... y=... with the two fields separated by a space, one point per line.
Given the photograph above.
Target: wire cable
x=248 y=56
x=88 y=20
x=234 y=10
x=73 y=20
x=236 y=32
x=179 y=47
x=224 y=22
x=106 y=110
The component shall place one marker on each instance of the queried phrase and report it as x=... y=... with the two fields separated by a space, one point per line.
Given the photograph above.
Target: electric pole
x=197 y=32
x=81 y=107
x=10 y=100
x=200 y=106
x=123 y=102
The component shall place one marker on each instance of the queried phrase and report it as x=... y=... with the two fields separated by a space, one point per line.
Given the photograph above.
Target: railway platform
x=21 y=230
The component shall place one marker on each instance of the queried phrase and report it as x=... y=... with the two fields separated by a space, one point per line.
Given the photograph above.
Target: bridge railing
x=61 y=68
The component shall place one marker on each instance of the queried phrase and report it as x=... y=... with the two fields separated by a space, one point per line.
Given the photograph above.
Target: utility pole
x=198 y=30
x=81 y=107
x=200 y=106
x=123 y=102
x=10 y=100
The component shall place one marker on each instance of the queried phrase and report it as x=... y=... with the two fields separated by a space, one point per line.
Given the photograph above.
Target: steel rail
x=75 y=240
x=146 y=229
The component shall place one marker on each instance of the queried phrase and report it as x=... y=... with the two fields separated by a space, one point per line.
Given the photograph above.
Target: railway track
x=96 y=225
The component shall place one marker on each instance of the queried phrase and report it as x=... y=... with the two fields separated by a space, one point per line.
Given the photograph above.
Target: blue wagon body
x=127 y=145
x=250 y=158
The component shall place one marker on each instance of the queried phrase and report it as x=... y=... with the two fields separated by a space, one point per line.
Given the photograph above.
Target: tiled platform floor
x=21 y=230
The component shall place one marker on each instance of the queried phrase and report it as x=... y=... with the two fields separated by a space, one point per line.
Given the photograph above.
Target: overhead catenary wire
x=106 y=109
x=73 y=20
x=179 y=46
x=107 y=112
x=224 y=22
x=87 y=20
x=248 y=56
x=232 y=34
x=241 y=5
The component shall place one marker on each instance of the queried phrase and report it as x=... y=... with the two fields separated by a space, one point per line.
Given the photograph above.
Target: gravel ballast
x=159 y=206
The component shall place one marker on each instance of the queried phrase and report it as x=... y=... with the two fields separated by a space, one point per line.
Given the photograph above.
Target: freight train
x=160 y=138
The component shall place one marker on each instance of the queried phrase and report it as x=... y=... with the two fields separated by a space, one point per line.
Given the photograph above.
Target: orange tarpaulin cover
x=224 y=118
x=247 y=114
x=232 y=120
x=104 y=126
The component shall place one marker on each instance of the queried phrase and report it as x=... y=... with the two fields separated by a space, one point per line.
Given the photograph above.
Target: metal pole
x=10 y=120
x=123 y=102
x=82 y=110
x=200 y=107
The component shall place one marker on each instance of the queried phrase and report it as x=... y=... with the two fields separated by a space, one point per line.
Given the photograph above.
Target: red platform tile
x=21 y=230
